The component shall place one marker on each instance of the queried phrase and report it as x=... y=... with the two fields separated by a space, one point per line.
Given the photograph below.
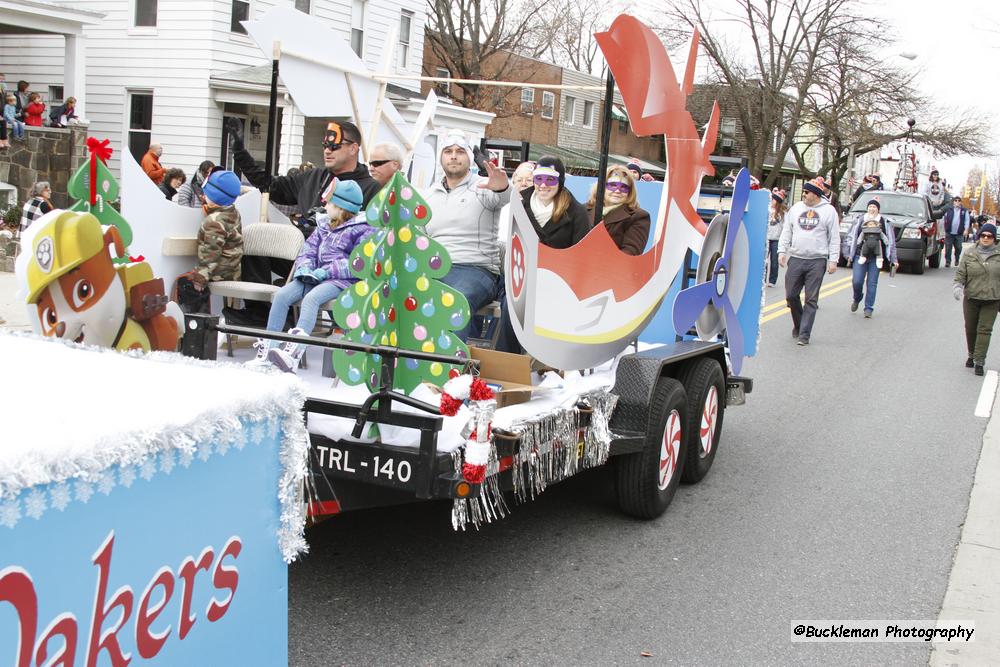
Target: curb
x=974 y=584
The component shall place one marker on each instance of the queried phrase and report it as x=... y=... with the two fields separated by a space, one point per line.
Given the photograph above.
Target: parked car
x=913 y=222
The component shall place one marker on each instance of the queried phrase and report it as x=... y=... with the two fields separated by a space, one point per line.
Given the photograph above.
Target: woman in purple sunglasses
x=626 y=221
x=558 y=218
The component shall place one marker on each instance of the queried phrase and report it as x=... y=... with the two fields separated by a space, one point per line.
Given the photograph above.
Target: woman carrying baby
x=872 y=246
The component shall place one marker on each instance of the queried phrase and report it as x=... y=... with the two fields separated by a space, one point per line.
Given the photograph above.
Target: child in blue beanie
x=220 y=238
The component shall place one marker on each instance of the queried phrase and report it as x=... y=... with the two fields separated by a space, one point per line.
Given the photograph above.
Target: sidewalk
x=14 y=313
x=974 y=585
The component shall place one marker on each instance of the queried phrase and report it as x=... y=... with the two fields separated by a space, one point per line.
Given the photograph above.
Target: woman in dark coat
x=627 y=223
x=559 y=220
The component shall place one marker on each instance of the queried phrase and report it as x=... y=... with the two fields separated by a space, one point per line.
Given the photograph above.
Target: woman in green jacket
x=978 y=281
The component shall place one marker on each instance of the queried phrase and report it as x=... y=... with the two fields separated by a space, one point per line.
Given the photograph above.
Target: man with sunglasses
x=384 y=161
x=341 y=145
x=464 y=213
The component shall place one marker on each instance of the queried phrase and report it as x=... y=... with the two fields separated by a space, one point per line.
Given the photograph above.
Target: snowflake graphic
x=186 y=457
x=204 y=451
x=10 y=513
x=257 y=433
x=167 y=461
x=60 y=496
x=240 y=441
x=272 y=429
x=148 y=468
x=84 y=490
x=126 y=475
x=106 y=483
x=223 y=446
x=34 y=504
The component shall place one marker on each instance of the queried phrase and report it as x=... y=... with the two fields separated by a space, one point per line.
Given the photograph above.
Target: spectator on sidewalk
x=61 y=115
x=867 y=265
x=22 y=96
x=954 y=223
x=151 y=163
x=775 y=223
x=10 y=116
x=808 y=247
x=38 y=205
x=34 y=110
x=190 y=194
x=173 y=179
x=977 y=285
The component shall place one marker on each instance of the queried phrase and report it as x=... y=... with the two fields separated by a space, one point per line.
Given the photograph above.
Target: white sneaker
x=287 y=357
x=260 y=359
x=878 y=262
x=862 y=259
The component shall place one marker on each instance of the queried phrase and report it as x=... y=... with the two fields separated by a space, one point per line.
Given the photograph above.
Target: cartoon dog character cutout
x=80 y=294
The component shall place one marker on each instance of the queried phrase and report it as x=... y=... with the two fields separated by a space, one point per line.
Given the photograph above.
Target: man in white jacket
x=809 y=245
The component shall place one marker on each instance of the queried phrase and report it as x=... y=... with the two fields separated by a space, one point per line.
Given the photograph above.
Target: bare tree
x=571 y=25
x=858 y=102
x=769 y=74
x=474 y=38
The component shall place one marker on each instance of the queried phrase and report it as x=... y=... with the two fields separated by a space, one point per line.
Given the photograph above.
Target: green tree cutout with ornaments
x=93 y=187
x=399 y=299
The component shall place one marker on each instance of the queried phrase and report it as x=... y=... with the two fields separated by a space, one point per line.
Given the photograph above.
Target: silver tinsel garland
x=549 y=452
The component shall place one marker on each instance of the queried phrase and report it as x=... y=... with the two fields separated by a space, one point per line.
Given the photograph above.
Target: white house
x=170 y=71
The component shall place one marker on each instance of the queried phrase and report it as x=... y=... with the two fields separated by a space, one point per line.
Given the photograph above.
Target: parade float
x=149 y=502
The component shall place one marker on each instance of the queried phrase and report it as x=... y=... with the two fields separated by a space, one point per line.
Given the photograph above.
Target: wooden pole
x=357 y=115
x=272 y=113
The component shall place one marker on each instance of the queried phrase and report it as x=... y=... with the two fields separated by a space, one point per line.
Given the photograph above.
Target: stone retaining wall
x=46 y=154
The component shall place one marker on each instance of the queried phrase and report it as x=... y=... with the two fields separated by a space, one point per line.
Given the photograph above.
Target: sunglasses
x=378 y=163
x=986 y=235
x=331 y=146
x=618 y=187
x=546 y=180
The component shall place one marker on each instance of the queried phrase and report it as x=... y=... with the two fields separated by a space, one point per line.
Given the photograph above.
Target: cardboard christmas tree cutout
x=94 y=187
x=399 y=299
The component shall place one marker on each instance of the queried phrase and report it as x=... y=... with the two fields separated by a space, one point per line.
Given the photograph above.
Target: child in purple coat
x=319 y=274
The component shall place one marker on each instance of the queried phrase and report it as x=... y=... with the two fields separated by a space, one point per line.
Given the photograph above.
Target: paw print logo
x=44 y=254
x=517 y=265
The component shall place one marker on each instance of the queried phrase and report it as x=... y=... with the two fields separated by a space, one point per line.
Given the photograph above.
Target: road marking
x=781 y=304
x=987 y=394
x=825 y=292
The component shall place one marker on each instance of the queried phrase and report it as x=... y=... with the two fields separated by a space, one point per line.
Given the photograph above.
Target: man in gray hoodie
x=809 y=245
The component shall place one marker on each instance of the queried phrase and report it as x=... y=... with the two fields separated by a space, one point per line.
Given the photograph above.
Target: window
x=588 y=114
x=548 y=104
x=403 y=50
x=358 y=27
x=728 y=127
x=55 y=95
x=140 y=123
x=303 y=5
x=241 y=12
x=569 y=110
x=443 y=73
x=527 y=100
x=145 y=13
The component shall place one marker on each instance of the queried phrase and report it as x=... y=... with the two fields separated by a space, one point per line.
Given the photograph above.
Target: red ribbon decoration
x=101 y=150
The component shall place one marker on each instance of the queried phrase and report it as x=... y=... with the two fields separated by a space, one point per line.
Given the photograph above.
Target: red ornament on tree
x=410 y=303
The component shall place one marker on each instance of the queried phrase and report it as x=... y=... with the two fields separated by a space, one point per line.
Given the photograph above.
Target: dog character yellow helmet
x=64 y=242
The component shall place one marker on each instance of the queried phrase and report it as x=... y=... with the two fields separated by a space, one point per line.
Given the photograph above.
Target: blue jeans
x=311 y=296
x=772 y=251
x=952 y=241
x=17 y=129
x=479 y=286
x=866 y=273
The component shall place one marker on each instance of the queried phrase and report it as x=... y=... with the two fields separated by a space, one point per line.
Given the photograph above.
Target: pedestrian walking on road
x=977 y=284
x=775 y=221
x=809 y=245
x=872 y=246
x=954 y=223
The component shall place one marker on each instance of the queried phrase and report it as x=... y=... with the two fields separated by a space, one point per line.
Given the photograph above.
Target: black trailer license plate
x=366 y=463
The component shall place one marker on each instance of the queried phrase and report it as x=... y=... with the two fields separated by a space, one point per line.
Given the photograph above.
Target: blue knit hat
x=222 y=188
x=989 y=228
x=347 y=195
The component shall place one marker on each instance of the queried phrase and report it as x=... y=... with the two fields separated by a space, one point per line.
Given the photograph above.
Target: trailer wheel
x=647 y=480
x=706 y=405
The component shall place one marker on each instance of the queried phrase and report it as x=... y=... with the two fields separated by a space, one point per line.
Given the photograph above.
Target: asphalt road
x=838 y=492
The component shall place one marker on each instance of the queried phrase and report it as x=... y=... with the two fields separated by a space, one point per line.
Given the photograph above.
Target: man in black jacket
x=341 y=145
